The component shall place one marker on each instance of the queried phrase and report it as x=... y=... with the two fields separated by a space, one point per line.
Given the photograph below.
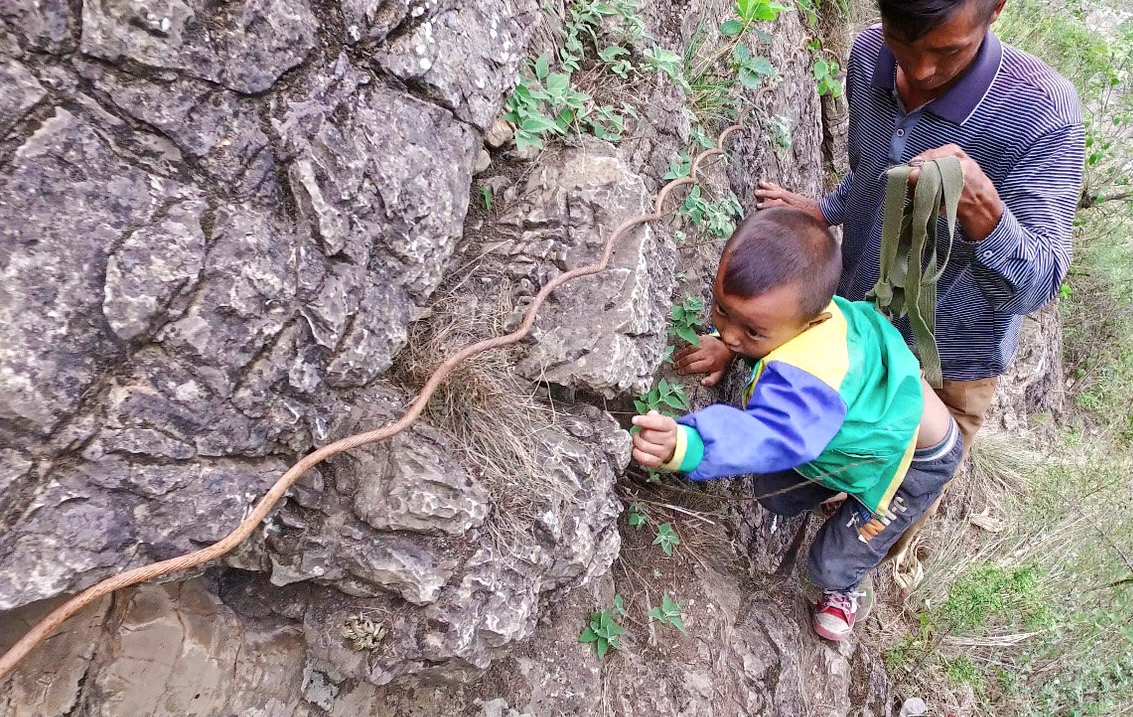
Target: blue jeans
x=842 y=552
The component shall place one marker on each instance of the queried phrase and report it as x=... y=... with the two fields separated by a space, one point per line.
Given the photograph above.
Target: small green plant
x=486 y=195
x=825 y=70
x=637 y=515
x=669 y=613
x=750 y=70
x=620 y=605
x=687 y=316
x=810 y=11
x=826 y=77
x=717 y=218
x=714 y=76
x=546 y=104
x=585 y=21
x=663 y=397
x=616 y=58
x=667 y=538
x=603 y=631
x=679 y=168
x=669 y=64
x=750 y=11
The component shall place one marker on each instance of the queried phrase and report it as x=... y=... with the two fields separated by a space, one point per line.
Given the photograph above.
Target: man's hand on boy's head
x=770 y=195
x=656 y=442
x=711 y=357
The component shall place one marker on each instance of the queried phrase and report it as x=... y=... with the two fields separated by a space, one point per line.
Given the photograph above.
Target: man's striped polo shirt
x=1021 y=122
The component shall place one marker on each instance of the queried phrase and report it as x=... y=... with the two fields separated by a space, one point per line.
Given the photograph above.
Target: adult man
x=932 y=80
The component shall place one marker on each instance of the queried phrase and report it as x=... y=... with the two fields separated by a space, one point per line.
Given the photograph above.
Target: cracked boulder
x=19 y=92
x=381 y=178
x=465 y=56
x=603 y=334
x=44 y=24
x=244 y=46
x=216 y=126
x=53 y=261
x=149 y=276
x=397 y=532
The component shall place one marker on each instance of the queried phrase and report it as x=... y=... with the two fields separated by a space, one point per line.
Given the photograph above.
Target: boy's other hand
x=770 y=195
x=656 y=442
x=711 y=357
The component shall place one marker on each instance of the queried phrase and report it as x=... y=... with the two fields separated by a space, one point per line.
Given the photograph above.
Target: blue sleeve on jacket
x=791 y=418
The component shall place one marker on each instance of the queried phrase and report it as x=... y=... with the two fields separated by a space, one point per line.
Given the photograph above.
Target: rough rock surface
x=217 y=223
x=245 y=46
x=464 y=55
x=561 y=220
x=175 y=338
x=1036 y=383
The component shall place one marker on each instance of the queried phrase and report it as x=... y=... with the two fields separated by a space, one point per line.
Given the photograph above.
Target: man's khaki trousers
x=968 y=402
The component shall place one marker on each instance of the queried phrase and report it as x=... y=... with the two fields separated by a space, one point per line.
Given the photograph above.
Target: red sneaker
x=835 y=613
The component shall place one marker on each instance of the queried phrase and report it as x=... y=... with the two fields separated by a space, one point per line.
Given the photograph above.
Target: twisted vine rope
x=61 y=614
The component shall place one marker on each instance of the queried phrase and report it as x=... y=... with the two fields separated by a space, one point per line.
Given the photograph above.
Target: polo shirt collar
x=961 y=100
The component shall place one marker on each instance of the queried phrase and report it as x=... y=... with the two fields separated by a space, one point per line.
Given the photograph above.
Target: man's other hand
x=772 y=195
x=711 y=357
x=656 y=442
x=980 y=207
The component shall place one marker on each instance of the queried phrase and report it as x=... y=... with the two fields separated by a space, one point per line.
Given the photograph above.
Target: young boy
x=835 y=403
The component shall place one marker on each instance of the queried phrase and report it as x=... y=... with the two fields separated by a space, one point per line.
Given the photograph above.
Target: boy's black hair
x=913 y=19
x=780 y=246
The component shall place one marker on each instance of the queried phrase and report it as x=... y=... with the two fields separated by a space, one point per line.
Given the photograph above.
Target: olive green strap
x=906 y=282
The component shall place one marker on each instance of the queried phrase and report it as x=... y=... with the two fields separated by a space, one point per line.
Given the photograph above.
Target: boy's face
x=757 y=325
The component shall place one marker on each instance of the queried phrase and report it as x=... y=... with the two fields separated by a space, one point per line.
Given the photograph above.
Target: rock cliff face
x=219 y=223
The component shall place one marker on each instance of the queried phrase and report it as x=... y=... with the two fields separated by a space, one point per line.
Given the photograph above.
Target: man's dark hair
x=781 y=246
x=913 y=19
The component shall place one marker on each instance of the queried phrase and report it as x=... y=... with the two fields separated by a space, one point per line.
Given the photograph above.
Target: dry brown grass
x=496 y=421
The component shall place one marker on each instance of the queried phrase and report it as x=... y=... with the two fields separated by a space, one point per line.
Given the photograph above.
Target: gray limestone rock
x=248 y=285
x=245 y=46
x=418 y=488
x=13 y=466
x=51 y=289
x=98 y=518
x=374 y=19
x=486 y=596
x=604 y=333
x=44 y=24
x=217 y=126
x=149 y=275
x=382 y=178
x=377 y=331
x=19 y=92
x=466 y=56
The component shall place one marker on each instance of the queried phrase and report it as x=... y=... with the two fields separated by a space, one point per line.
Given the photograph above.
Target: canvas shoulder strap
x=907 y=280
